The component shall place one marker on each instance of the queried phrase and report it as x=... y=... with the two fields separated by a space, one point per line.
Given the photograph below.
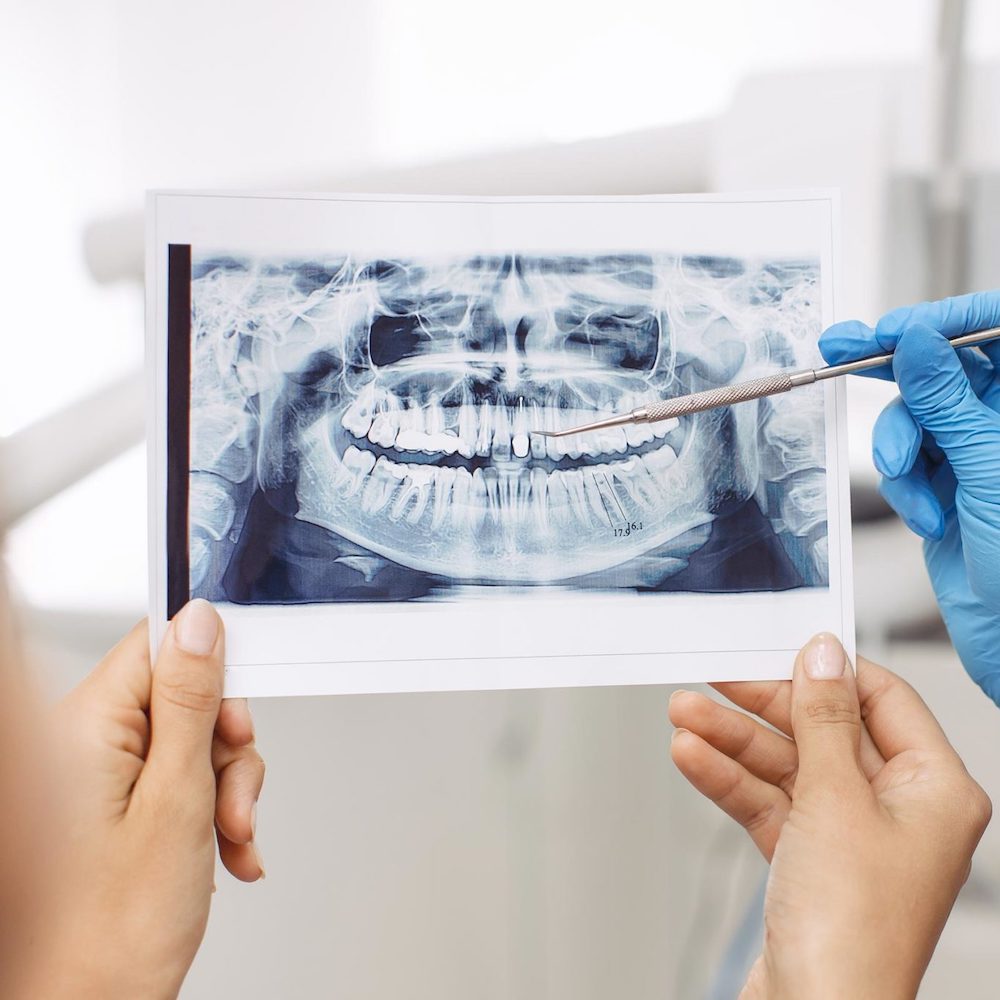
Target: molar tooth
x=412 y=496
x=357 y=417
x=660 y=460
x=631 y=475
x=382 y=484
x=357 y=464
x=383 y=430
x=661 y=428
x=638 y=434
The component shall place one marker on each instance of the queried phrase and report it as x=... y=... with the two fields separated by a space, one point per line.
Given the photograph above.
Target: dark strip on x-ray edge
x=178 y=423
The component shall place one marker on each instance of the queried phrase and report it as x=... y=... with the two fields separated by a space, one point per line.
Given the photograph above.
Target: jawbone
x=500 y=518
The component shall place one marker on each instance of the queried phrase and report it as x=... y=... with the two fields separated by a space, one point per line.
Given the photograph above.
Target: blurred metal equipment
x=948 y=237
x=57 y=451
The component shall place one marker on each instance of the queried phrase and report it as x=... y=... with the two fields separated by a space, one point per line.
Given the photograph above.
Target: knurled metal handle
x=756 y=388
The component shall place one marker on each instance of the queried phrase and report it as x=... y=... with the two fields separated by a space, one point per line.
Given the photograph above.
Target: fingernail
x=676 y=733
x=824 y=658
x=196 y=628
x=260 y=864
x=676 y=693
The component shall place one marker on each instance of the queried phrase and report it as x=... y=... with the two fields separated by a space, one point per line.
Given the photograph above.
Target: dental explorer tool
x=758 y=388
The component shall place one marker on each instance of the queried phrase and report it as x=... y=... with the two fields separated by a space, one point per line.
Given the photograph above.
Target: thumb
x=825 y=714
x=186 y=695
x=938 y=394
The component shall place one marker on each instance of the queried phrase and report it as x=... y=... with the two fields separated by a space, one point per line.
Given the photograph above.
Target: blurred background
x=489 y=845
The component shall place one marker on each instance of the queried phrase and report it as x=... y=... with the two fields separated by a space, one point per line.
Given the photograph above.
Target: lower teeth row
x=595 y=496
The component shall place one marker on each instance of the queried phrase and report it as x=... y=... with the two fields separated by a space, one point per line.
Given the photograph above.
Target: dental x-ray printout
x=343 y=390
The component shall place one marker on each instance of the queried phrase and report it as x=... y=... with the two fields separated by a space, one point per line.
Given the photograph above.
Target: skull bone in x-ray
x=389 y=402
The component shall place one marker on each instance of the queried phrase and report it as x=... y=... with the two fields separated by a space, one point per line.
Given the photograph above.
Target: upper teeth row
x=498 y=431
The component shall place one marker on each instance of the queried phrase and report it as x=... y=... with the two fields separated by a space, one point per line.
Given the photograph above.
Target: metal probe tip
x=616 y=421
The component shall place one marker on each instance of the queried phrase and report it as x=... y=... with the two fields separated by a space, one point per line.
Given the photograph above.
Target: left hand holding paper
x=869 y=827
x=159 y=770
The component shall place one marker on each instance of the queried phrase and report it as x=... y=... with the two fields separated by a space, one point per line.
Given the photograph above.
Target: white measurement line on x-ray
x=606 y=488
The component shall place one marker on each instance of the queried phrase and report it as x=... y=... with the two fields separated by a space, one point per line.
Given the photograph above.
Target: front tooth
x=478 y=503
x=577 y=498
x=539 y=418
x=593 y=491
x=468 y=431
x=520 y=441
x=444 y=479
x=485 y=438
x=501 y=433
x=558 y=497
x=461 y=498
x=383 y=430
x=490 y=478
x=434 y=419
x=539 y=498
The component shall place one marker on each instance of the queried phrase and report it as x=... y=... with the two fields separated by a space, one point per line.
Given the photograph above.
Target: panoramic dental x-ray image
x=360 y=428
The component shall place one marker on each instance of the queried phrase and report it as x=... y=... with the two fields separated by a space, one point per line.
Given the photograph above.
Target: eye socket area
x=620 y=336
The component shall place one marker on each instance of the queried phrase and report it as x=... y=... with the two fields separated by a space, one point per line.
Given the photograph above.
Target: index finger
x=772 y=702
x=896 y=716
x=952 y=316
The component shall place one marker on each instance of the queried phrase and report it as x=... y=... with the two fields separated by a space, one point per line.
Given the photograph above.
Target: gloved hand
x=938 y=450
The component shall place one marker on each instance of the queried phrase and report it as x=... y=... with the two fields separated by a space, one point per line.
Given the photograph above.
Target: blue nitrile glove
x=938 y=450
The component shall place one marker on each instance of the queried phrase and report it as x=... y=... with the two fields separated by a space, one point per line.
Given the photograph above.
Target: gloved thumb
x=185 y=699
x=825 y=716
x=939 y=396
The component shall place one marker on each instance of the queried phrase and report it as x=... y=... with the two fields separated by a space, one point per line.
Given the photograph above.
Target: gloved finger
x=939 y=396
x=950 y=317
x=850 y=341
x=826 y=719
x=763 y=752
x=896 y=440
x=913 y=498
x=972 y=623
x=184 y=703
x=760 y=808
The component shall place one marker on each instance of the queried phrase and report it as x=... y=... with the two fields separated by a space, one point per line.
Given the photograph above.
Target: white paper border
x=301 y=650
